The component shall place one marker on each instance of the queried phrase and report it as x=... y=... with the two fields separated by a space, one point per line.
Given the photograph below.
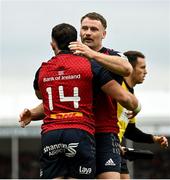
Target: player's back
x=65 y=83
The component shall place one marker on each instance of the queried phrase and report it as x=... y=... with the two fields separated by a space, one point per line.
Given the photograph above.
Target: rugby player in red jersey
x=108 y=154
x=108 y=160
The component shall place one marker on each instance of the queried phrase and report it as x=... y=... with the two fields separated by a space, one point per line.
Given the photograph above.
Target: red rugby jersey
x=105 y=109
x=65 y=83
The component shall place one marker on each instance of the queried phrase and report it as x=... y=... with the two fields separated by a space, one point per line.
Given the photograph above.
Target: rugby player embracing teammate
x=92 y=32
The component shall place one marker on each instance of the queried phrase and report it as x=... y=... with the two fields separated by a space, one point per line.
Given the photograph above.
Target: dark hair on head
x=63 y=34
x=95 y=16
x=132 y=56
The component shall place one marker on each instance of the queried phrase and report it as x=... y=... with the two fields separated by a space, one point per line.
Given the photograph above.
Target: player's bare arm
x=126 y=99
x=115 y=64
x=28 y=115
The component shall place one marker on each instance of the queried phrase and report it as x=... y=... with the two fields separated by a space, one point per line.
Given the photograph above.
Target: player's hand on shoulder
x=25 y=117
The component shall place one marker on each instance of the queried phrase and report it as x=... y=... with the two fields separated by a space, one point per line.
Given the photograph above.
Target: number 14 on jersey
x=75 y=98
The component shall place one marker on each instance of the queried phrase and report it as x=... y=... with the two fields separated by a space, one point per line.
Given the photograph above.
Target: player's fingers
x=128 y=112
x=164 y=144
x=21 y=116
x=24 y=116
x=130 y=116
x=77 y=52
x=73 y=42
x=22 y=124
x=163 y=139
x=26 y=111
x=72 y=46
x=75 y=47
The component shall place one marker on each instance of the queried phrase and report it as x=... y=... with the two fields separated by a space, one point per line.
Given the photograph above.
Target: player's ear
x=104 y=34
x=52 y=45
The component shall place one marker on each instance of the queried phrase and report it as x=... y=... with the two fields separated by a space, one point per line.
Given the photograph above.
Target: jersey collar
x=129 y=88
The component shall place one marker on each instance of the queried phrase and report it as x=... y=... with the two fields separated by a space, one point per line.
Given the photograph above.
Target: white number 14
x=75 y=98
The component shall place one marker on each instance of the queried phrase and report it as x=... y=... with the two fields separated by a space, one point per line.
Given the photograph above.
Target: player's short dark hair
x=132 y=56
x=63 y=34
x=96 y=16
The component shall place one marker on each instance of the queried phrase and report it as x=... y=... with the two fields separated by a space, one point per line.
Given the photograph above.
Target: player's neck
x=97 y=48
x=130 y=81
x=57 y=51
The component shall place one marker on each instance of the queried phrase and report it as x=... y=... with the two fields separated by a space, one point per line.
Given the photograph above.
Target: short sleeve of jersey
x=120 y=54
x=35 y=83
x=112 y=52
x=100 y=75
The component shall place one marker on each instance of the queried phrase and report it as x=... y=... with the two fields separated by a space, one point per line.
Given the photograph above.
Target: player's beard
x=88 y=41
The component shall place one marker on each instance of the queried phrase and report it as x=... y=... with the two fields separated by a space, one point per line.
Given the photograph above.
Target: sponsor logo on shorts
x=71 y=151
x=85 y=170
x=68 y=149
x=41 y=172
x=110 y=163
